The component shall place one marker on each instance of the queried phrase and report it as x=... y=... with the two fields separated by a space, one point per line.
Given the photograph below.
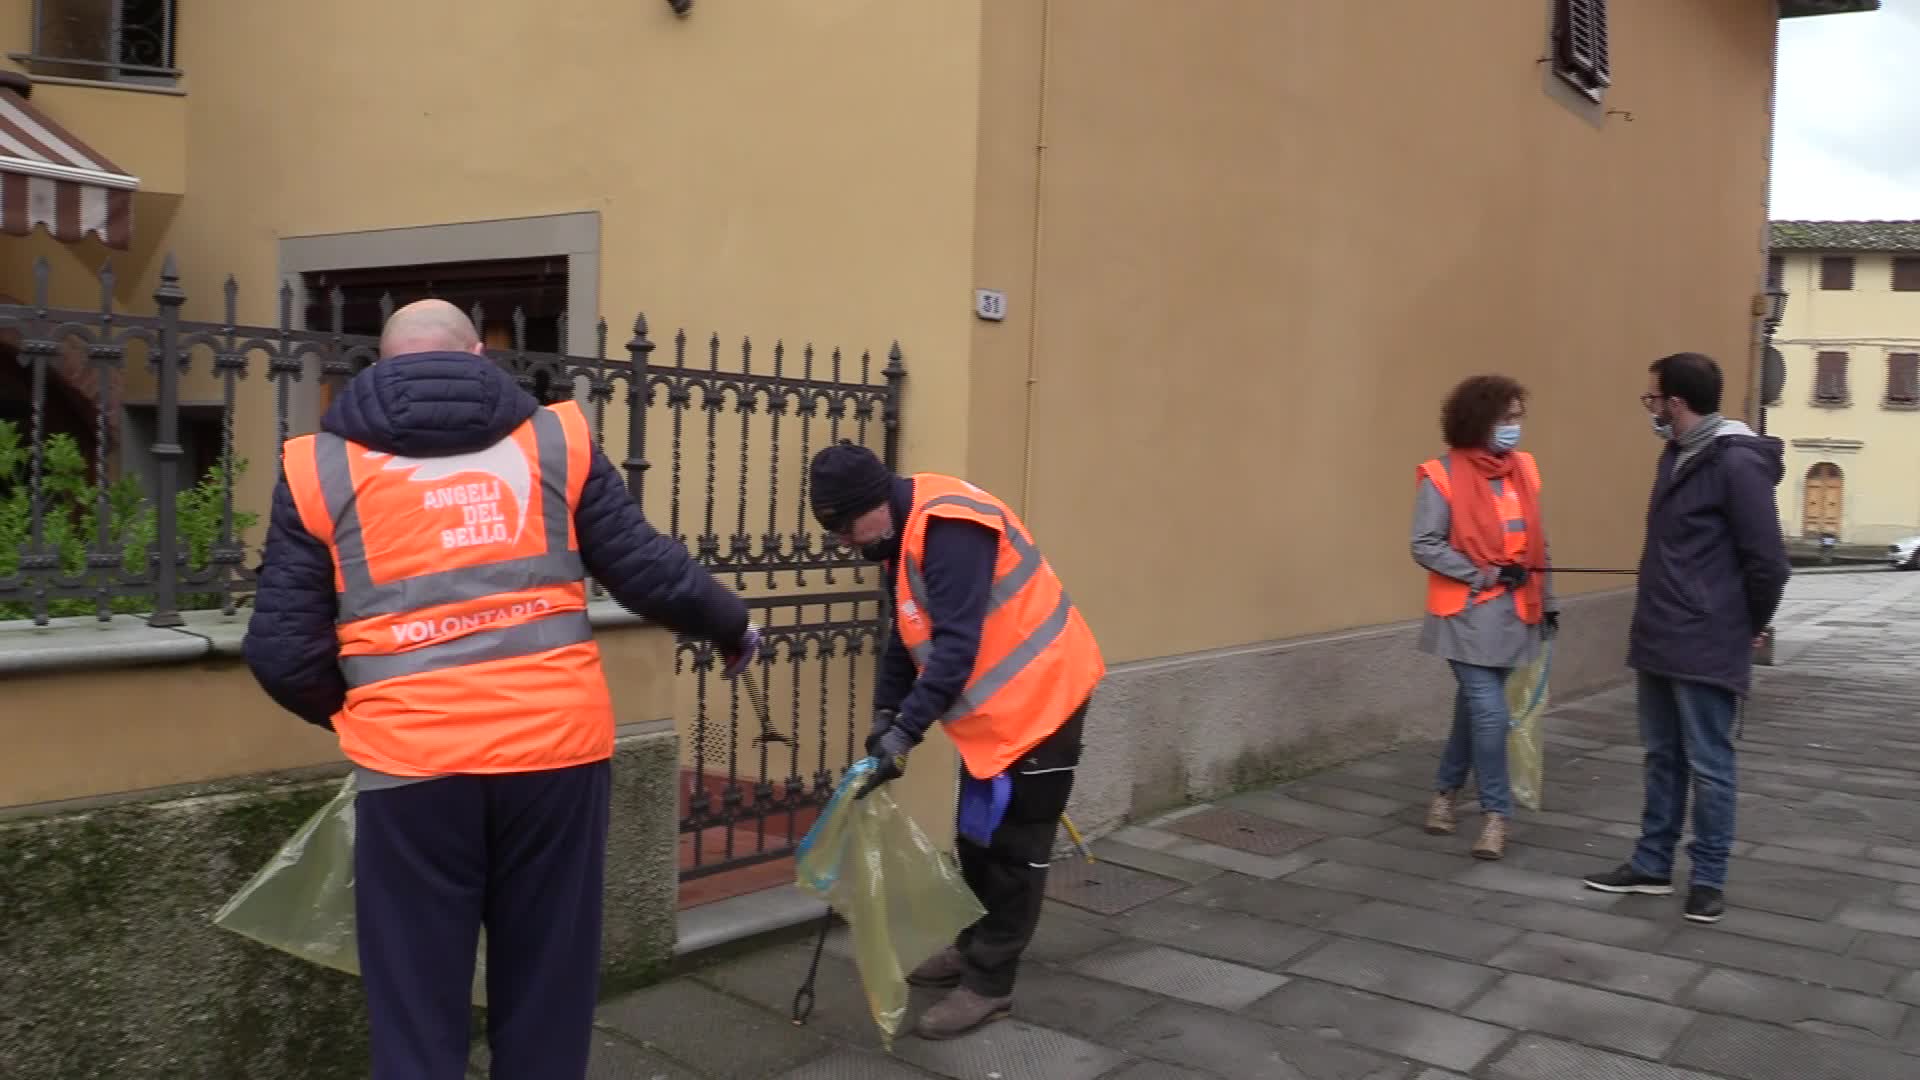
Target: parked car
x=1904 y=554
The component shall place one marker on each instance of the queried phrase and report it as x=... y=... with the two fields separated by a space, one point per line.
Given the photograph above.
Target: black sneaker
x=1625 y=879
x=1705 y=904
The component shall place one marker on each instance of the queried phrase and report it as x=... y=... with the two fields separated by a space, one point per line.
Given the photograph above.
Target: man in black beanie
x=986 y=642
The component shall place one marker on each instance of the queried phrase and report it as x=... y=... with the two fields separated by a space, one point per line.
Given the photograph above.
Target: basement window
x=1580 y=46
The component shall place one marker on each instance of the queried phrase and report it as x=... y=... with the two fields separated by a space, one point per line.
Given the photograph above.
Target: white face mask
x=1505 y=438
x=1663 y=428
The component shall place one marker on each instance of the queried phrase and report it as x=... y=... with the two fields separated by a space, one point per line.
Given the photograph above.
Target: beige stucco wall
x=1267 y=245
x=1881 y=493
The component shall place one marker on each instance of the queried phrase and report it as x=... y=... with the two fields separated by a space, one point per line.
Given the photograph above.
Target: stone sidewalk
x=1314 y=931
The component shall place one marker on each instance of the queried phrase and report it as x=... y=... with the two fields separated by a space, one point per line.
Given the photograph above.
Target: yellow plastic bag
x=903 y=898
x=1527 y=705
x=301 y=902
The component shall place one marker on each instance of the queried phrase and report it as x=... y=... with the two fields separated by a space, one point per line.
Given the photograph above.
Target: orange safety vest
x=462 y=600
x=1447 y=597
x=1038 y=661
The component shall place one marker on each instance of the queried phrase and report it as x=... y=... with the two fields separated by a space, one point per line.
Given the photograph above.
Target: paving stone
x=1067 y=933
x=1548 y=917
x=1010 y=1048
x=1141 y=836
x=1889 y=872
x=1172 y=973
x=692 y=1022
x=1265 y=867
x=1583 y=1014
x=1388 y=885
x=1350 y=800
x=1434 y=931
x=1228 y=935
x=1358 y=851
x=1609 y=968
x=1899 y=952
x=853 y=1065
x=1156 y=1070
x=1908 y=988
x=1901 y=856
x=1106 y=888
x=1786 y=961
x=768 y=978
x=1767 y=926
x=1235 y=1046
x=1559 y=863
x=1785 y=1001
x=1297 y=904
x=1880 y=920
x=1151 y=861
x=1076 y=1004
x=1558 y=888
x=1537 y=1058
x=614 y=1058
x=1306 y=815
x=1378 y=1023
x=1439 y=1074
x=1750 y=1051
x=1396 y=972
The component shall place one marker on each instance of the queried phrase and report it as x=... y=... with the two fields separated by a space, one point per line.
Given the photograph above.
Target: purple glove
x=742 y=654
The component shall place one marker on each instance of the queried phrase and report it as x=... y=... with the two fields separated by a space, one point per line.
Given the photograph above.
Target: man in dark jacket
x=1711 y=576
x=516 y=846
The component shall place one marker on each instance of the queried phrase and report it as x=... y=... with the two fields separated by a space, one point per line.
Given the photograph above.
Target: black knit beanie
x=847 y=481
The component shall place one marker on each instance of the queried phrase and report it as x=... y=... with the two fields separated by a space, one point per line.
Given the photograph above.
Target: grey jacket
x=1487 y=635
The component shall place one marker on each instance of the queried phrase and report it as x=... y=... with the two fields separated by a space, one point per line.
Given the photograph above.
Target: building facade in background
x=1849 y=407
x=1235 y=254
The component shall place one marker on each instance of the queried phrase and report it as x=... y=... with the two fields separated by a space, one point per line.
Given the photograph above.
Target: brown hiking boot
x=942 y=970
x=1440 y=814
x=960 y=1012
x=1493 y=838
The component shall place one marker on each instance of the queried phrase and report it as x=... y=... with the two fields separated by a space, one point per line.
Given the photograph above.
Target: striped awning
x=50 y=178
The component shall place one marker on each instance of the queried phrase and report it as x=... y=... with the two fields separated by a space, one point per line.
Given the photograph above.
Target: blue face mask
x=1505 y=438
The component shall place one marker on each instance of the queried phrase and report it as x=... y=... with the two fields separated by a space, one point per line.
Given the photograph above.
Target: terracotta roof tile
x=1846 y=236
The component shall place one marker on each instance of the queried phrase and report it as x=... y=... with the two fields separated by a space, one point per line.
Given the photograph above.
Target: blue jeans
x=1687 y=729
x=1479 y=739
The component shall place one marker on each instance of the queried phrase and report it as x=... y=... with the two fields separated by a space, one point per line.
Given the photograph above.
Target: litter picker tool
x=767 y=734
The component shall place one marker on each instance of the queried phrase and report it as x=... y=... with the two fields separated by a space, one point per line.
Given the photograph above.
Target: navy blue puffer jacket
x=431 y=405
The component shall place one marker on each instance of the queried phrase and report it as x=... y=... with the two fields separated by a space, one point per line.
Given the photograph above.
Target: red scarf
x=1479 y=533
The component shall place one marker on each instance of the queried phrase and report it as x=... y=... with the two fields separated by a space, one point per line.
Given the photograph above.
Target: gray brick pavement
x=1314 y=931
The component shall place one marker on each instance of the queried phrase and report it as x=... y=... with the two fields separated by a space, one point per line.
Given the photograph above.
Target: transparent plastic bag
x=301 y=902
x=1527 y=698
x=903 y=898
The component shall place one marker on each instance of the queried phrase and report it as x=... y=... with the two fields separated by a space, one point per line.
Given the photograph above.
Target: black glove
x=882 y=720
x=1513 y=576
x=890 y=751
x=1550 y=625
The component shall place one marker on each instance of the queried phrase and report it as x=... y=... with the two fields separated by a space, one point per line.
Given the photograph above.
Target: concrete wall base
x=1172 y=730
x=110 y=964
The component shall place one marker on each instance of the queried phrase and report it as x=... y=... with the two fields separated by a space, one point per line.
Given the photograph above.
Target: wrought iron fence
x=108 y=40
x=80 y=533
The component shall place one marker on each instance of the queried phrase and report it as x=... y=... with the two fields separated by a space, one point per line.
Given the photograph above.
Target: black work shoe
x=1705 y=904
x=1625 y=879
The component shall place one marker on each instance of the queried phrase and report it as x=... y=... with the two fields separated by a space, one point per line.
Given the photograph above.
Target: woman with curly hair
x=1478 y=533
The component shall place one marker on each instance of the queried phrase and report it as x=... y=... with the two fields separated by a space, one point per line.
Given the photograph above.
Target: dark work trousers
x=1009 y=876
x=523 y=853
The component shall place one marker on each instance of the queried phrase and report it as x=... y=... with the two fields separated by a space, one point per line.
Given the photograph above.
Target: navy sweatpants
x=523 y=853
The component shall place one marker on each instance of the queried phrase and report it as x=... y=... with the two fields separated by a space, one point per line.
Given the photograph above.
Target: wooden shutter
x=1580 y=42
x=1903 y=378
x=1830 y=378
x=1776 y=271
x=1836 y=273
x=1906 y=274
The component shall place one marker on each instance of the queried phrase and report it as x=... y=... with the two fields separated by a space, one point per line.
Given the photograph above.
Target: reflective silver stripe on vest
x=1004 y=588
x=995 y=678
x=524 y=639
x=362 y=599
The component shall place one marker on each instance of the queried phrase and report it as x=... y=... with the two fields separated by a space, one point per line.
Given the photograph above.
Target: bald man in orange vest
x=986 y=643
x=423 y=596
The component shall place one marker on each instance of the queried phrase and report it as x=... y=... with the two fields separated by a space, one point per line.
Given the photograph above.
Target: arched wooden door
x=1826 y=492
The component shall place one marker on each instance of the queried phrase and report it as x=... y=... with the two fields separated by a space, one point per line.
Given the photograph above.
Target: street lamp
x=1773 y=367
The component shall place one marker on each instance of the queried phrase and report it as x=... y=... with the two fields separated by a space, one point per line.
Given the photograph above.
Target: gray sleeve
x=1432 y=539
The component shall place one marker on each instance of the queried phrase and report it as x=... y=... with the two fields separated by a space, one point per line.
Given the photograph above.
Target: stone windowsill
x=83 y=641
